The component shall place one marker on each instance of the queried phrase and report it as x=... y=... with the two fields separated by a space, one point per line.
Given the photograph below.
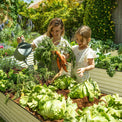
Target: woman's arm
x=33 y=46
x=19 y=40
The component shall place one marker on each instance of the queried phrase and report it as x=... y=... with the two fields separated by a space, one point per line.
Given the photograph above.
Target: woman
x=55 y=31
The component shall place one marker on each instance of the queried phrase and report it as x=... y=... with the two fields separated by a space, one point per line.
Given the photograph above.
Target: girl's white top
x=82 y=57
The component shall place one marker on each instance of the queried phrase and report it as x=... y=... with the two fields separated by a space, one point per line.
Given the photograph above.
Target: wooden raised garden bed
x=12 y=112
x=107 y=84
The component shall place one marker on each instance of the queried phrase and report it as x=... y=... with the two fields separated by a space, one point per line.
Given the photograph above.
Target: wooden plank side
x=12 y=112
x=107 y=84
x=107 y=80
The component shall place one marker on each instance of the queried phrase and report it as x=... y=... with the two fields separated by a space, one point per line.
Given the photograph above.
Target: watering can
x=22 y=51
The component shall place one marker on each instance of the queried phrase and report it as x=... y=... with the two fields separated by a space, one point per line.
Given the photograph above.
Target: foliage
x=98 y=15
x=53 y=106
x=108 y=109
x=45 y=74
x=17 y=83
x=49 y=104
x=13 y=26
x=3 y=81
x=110 y=63
x=64 y=82
x=8 y=63
x=2 y=120
x=103 y=46
x=88 y=88
x=9 y=35
x=43 y=53
x=5 y=35
x=7 y=52
x=9 y=8
x=120 y=48
x=53 y=109
x=71 y=13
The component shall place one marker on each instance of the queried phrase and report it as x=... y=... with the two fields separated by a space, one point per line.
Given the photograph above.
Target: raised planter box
x=12 y=112
x=107 y=84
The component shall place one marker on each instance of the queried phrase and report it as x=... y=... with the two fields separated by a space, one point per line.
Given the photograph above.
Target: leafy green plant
x=56 y=8
x=98 y=15
x=7 y=64
x=64 y=82
x=88 y=88
x=110 y=63
x=111 y=70
x=43 y=53
x=103 y=46
x=45 y=74
x=7 y=52
x=1 y=119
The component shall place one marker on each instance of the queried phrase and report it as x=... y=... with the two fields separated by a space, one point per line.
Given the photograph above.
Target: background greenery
x=17 y=19
x=95 y=13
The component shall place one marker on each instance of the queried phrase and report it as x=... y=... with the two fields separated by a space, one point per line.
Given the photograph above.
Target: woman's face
x=82 y=42
x=56 y=32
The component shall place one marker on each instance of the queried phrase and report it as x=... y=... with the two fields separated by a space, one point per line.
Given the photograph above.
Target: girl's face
x=56 y=32
x=82 y=42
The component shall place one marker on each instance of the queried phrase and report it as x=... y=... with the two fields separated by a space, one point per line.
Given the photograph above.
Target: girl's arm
x=91 y=65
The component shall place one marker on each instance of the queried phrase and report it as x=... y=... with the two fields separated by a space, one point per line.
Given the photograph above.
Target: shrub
x=98 y=15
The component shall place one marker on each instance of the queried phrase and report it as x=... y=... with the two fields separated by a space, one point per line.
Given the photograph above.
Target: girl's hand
x=81 y=71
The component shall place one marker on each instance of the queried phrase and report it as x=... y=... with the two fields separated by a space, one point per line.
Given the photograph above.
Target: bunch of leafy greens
x=45 y=74
x=108 y=110
x=3 y=81
x=110 y=63
x=48 y=103
x=43 y=53
x=88 y=88
x=64 y=82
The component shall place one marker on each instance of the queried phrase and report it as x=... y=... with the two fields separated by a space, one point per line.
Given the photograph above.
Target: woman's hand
x=64 y=57
x=19 y=40
x=81 y=71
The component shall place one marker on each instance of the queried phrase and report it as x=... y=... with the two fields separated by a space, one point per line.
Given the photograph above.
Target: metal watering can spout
x=22 y=51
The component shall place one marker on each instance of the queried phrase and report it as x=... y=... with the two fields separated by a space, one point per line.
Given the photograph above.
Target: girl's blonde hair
x=54 y=23
x=84 y=31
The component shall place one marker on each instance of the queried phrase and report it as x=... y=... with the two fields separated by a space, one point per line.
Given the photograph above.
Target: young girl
x=84 y=54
